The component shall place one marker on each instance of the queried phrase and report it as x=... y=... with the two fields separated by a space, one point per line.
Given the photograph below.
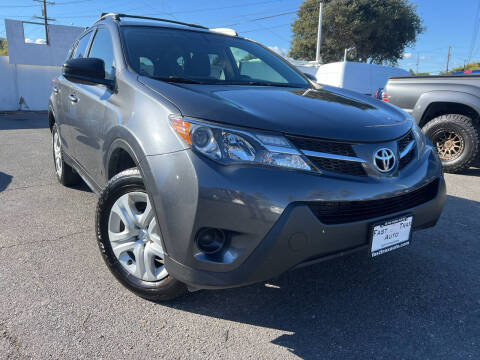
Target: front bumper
x=266 y=213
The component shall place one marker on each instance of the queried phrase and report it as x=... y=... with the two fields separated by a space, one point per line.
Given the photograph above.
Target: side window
x=251 y=67
x=102 y=48
x=81 y=49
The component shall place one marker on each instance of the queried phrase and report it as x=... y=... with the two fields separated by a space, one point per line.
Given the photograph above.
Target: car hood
x=326 y=112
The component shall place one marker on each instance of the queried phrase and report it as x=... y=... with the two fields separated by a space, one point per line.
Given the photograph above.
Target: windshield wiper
x=176 y=79
x=261 y=83
x=179 y=79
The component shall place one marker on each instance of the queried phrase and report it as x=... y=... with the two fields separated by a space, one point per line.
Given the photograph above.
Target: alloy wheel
x=449 y=145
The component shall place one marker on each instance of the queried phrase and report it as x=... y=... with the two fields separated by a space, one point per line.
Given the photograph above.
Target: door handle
x=55 y=90
x=73 y=98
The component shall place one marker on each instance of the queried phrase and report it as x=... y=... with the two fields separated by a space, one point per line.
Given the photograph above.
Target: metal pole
x=46 y=21
x=319 y=34
x=345 y=56
x=448 y=57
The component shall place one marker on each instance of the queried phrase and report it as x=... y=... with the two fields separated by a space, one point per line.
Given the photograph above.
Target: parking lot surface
x=58 y=300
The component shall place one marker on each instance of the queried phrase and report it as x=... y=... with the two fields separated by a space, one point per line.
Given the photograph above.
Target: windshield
x=196 y=57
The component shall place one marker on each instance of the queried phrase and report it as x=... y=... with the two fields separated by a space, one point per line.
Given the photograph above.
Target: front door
x=65 y=93
x=94 y=107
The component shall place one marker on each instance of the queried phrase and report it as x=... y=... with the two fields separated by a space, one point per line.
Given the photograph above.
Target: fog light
x=210 y=241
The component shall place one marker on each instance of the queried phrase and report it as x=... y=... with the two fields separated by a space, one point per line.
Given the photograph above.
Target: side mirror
x=311 y=77
x=89 y=71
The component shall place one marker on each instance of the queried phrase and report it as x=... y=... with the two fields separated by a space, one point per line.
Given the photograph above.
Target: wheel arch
x=436 y=103
x=121 y=155
x=125 y=144
x=51 y=117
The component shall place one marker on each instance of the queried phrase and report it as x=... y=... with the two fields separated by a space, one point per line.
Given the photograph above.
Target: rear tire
x=64 y=172
x=456 y=139
x=130 y=239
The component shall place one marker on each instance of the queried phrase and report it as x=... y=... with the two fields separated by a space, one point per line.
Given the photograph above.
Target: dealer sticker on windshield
x=391 y=235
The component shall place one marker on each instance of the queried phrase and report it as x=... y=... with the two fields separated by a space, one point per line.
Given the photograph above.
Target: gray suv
x=218 y=164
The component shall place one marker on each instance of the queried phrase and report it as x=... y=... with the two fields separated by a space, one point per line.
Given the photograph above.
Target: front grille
x=344 y=166
x=407 y=158
x=339 y=212
x=404 y=141
x=329 y=147
x=402 y=144
x=339 y=166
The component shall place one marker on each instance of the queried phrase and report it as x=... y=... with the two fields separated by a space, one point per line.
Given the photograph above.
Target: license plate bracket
x=391 y=234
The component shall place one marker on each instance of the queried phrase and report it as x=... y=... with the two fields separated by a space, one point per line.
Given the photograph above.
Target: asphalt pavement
x=58 y=299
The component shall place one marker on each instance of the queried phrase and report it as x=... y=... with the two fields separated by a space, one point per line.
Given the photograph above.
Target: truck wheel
x=456 y=139
x=65 y=174
x=129 y=238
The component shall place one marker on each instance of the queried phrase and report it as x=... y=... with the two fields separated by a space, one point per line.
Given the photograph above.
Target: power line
x=30 y=6
x=265 y=28
x=173 y=13
x=224 y=7
x=476 y=25
x=261 y=18
x=288 y=12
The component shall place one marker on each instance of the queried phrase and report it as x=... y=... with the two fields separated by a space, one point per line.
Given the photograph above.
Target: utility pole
x=319 y=35
x=346 y=52
x=418 y=61
x=448 y=57
x=45 y=17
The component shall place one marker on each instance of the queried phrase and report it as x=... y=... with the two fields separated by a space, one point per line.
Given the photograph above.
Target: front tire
x=129 y=239
x=456 y=139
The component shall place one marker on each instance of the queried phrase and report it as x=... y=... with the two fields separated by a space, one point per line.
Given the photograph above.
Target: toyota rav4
x=218 y=164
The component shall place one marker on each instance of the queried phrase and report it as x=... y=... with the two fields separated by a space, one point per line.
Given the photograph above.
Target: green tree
x=378 y=30
x=469 y=66
x=3 y=47
x=419 y=73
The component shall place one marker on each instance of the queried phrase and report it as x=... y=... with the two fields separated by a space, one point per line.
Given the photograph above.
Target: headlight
x=233 y=146
x=419 y=137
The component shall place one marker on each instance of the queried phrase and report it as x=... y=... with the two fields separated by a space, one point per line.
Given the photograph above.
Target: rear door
x=93 y=108
x=66 y=105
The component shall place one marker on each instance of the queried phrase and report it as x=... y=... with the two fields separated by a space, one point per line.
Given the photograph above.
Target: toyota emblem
x=384 y=160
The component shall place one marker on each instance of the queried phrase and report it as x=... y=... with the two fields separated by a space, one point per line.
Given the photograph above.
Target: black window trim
x=87 y=49
x=96 y=29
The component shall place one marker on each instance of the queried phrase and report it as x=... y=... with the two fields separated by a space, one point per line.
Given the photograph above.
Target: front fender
x=121 y=138
x=444 y=96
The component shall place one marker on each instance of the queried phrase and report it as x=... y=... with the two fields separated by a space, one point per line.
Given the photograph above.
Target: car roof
x=161 y=25
x=136 y=20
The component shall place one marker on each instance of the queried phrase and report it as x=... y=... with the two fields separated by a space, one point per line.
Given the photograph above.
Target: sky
x=447 y=23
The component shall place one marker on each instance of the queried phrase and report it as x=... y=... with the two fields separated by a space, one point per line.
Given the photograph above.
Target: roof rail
x=224 y=31
x=117 y=17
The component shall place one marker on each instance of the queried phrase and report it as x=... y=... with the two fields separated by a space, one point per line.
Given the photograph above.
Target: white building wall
x=8 y=93
x=53 y=54
x=34 y=85
x=26 y=74
x=25 y=87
